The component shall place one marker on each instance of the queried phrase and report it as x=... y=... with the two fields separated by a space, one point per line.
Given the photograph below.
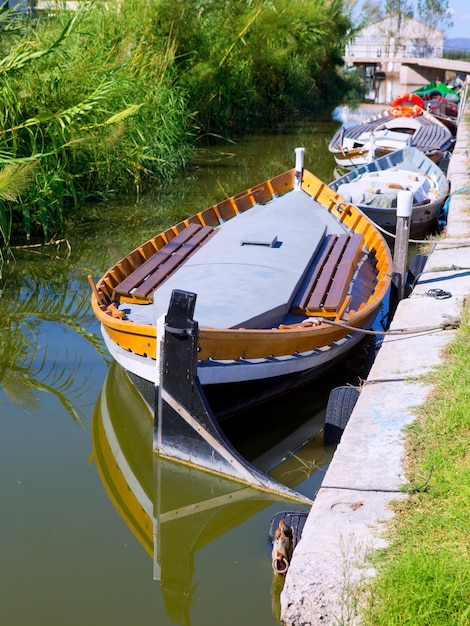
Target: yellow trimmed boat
x=283 y=272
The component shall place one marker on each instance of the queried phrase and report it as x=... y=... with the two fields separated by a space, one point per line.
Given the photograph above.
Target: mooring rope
x=450 y=323
x=450 y=268
x=393 y=235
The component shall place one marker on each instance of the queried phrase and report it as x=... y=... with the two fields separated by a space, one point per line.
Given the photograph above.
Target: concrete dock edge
x=352 y=507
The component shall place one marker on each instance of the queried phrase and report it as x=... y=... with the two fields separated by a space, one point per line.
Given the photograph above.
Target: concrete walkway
x=349 y=514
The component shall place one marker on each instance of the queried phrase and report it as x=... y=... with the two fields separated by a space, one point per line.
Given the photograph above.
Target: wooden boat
x=445 y=112
x=374 y=188
x=360 y=144
x=282 y=271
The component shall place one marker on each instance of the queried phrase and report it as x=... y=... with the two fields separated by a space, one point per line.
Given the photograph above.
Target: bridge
x=386 y=75
x=428 y=68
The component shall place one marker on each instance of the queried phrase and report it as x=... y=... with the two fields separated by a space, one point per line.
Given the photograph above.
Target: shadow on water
x=65 y=545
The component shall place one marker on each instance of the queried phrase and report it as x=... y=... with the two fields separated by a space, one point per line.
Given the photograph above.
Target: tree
x=371 y=11
x=398 y=7
x=435 y=13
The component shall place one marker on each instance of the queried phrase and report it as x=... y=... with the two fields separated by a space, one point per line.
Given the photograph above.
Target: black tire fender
x=341 y=403
x=415 y=268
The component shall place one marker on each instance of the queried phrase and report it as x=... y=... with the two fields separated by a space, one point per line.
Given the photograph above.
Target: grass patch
x=424 y=575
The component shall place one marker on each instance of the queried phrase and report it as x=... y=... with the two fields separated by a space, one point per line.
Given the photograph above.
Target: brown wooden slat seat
x=325 y=291
x=144 y=279
x=177 y=258
x=135 y=278
x=302 y=298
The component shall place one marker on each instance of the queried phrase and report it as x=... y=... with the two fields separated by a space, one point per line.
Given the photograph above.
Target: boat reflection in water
x=173 y=509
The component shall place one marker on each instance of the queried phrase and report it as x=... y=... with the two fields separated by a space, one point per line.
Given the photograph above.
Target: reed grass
x=89 y=98
x=424 y=575
x=114 y=96
x=257 y=60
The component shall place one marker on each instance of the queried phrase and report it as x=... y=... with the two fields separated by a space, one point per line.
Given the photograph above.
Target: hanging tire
x=415 y=268
x=341 y=403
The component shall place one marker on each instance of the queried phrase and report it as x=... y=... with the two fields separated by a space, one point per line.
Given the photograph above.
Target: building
x=397 y=36
x=39 y=6
x=384 y=52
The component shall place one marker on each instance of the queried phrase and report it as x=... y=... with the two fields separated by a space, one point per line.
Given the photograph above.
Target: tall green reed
x=249 y=61
x=113 y=97
x=90 y=99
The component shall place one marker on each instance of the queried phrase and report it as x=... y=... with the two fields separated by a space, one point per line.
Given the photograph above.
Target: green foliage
x=371 y=11
x=395 y=7
x=457 y=55
x=90 y=99
x=113 y=96
x=435 y=13
x=425 y=591
x=244 y=61
x=424 y=578
x=432 y=13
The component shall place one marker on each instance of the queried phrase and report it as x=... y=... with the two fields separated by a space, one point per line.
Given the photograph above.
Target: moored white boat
x=374 y=188
x=357 y=145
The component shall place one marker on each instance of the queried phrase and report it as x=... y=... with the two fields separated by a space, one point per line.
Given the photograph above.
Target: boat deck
x=424 y=133
x=249 y=273
x=381 y=188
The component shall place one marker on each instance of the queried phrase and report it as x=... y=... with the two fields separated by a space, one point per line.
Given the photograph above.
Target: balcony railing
x=377 y=49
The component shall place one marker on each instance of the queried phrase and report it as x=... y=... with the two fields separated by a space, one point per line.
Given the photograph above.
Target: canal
x=94 y=528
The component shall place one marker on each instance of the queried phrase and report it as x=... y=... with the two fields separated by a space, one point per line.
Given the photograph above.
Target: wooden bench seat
x=325 y=289
x=141 y=283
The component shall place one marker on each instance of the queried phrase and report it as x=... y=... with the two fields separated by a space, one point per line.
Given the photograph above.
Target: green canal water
x=94 y=529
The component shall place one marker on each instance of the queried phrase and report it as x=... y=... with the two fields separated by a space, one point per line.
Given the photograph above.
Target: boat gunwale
x=396 y=161
x=425 y=120
x=255 y=343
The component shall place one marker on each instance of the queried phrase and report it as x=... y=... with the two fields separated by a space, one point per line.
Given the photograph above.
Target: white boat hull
x=213 y=373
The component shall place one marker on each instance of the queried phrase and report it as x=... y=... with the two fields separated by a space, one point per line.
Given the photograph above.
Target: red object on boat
x=408 y=99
